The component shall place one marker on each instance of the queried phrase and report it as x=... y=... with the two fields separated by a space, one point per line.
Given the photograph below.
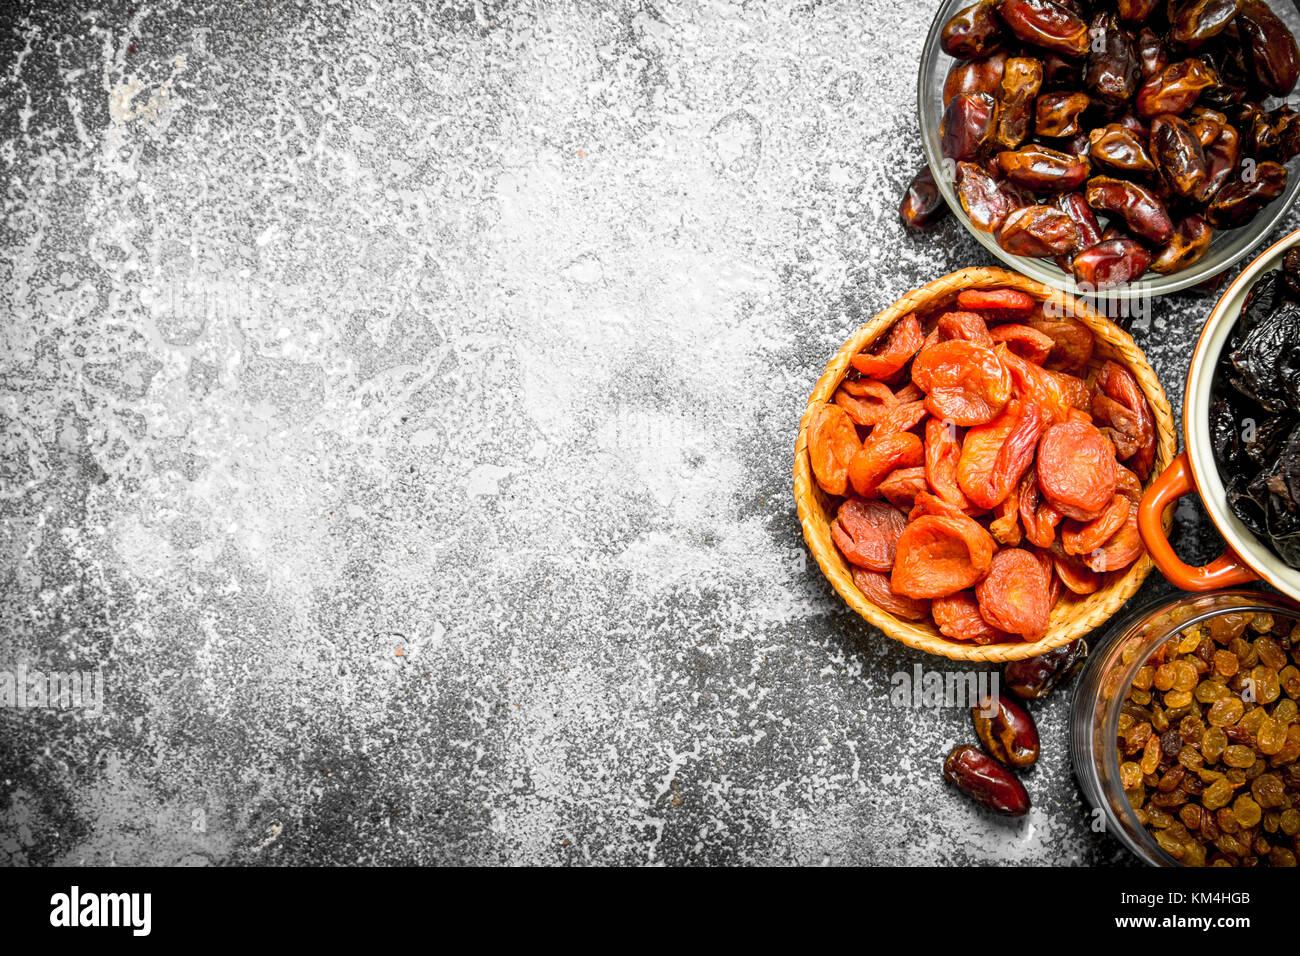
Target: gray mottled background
x=478 y=332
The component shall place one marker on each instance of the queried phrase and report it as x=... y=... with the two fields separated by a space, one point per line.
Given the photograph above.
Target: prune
x=832 y=444
x=875 y=587
x=1266 y=365
x=986 y=781
x=1058 y=114
x=1006 y=730
x=1240 y=199
x=904 y=341
x=1014 y=595
x=974 y=76
x=986 y=203
x=1189 y=243
x=922 y=204
x=1194 y=21
x=1178 y=153
x=1021 y=80
x=994 y=457
x=880 y=455
x=942 y=452
x=1035 y=677
x=958 y=616
x=1118 y=148
x=1038 y=231
x=1269 y=48
x=972 y=32
x=1076 y=469
x=1175 y=88
x=1144 y=214
x=1042 y=169
x=1110 y=264
x=1113 y=68
x=866 y=532
x=965 y=383
x=966 y=130
x=939 y=555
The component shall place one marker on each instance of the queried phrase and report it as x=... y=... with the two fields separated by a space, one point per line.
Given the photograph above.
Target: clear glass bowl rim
x=1231 y=246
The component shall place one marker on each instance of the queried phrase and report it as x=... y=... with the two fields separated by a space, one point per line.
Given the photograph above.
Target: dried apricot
x=866 y=532
x=1037 y=518
x=1076 y=469
x=1073 y=340
x=901 y=487
x=994 y=457
x=1116 y=386
x=1014 y=596
x=881 y=454
x=1005 y=526
x=865 y=400
x=900 y=417
x=964 y=383
x=942 y=452
x=958 y=616
x=1045 y=389
x=1079 y=537
x=965 y=325
x=1024 y=340
x=904 y=341
x=832 y=444
x=996 y=299
x=1123 y=548
x=1077 y=578
x=940 y=555
x=875 y=588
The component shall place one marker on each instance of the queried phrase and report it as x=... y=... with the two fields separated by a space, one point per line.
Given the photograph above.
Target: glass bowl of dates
x=1185 y=731
x=1132 y=148
x=1241 y=425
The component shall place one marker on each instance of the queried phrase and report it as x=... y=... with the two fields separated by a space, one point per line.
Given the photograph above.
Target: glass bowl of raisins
x=1185 y=731
x=1125 y=150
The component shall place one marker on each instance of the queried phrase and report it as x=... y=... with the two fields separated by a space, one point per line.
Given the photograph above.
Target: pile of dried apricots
x=987 y=469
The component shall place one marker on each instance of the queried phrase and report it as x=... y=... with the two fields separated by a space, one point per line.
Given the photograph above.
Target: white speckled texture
x=480 y=332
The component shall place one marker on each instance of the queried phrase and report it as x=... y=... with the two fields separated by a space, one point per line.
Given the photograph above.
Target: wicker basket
x=1070 y=618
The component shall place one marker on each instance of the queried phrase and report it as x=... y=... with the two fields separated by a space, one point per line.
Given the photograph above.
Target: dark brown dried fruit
x=1021 y=81
x=1034 y=677
x=1118 y=148
x=972 y=32
x=1060 y=114
x=1269 y=48
x=1037 y=231
x=974 y=76
x=1145 y=215
x=1175 y=88
x=922 y=204
x=1177 y=150
x=1242 y=198
x=1189 y=243
x=1006 y=730
x=966 y=131
x=986 y=781
x=1042 y=169
x=1112 y=263
x=1113 y=68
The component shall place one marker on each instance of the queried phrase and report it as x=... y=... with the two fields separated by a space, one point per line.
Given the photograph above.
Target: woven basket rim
x=1070 y=619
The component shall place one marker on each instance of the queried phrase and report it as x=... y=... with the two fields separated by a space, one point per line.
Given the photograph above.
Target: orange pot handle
x=1227 y=570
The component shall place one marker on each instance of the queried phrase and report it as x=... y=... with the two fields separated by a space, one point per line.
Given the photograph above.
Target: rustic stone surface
x=398 y=410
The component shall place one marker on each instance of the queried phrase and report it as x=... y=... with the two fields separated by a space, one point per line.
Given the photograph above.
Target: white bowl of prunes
x=1241 y=425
